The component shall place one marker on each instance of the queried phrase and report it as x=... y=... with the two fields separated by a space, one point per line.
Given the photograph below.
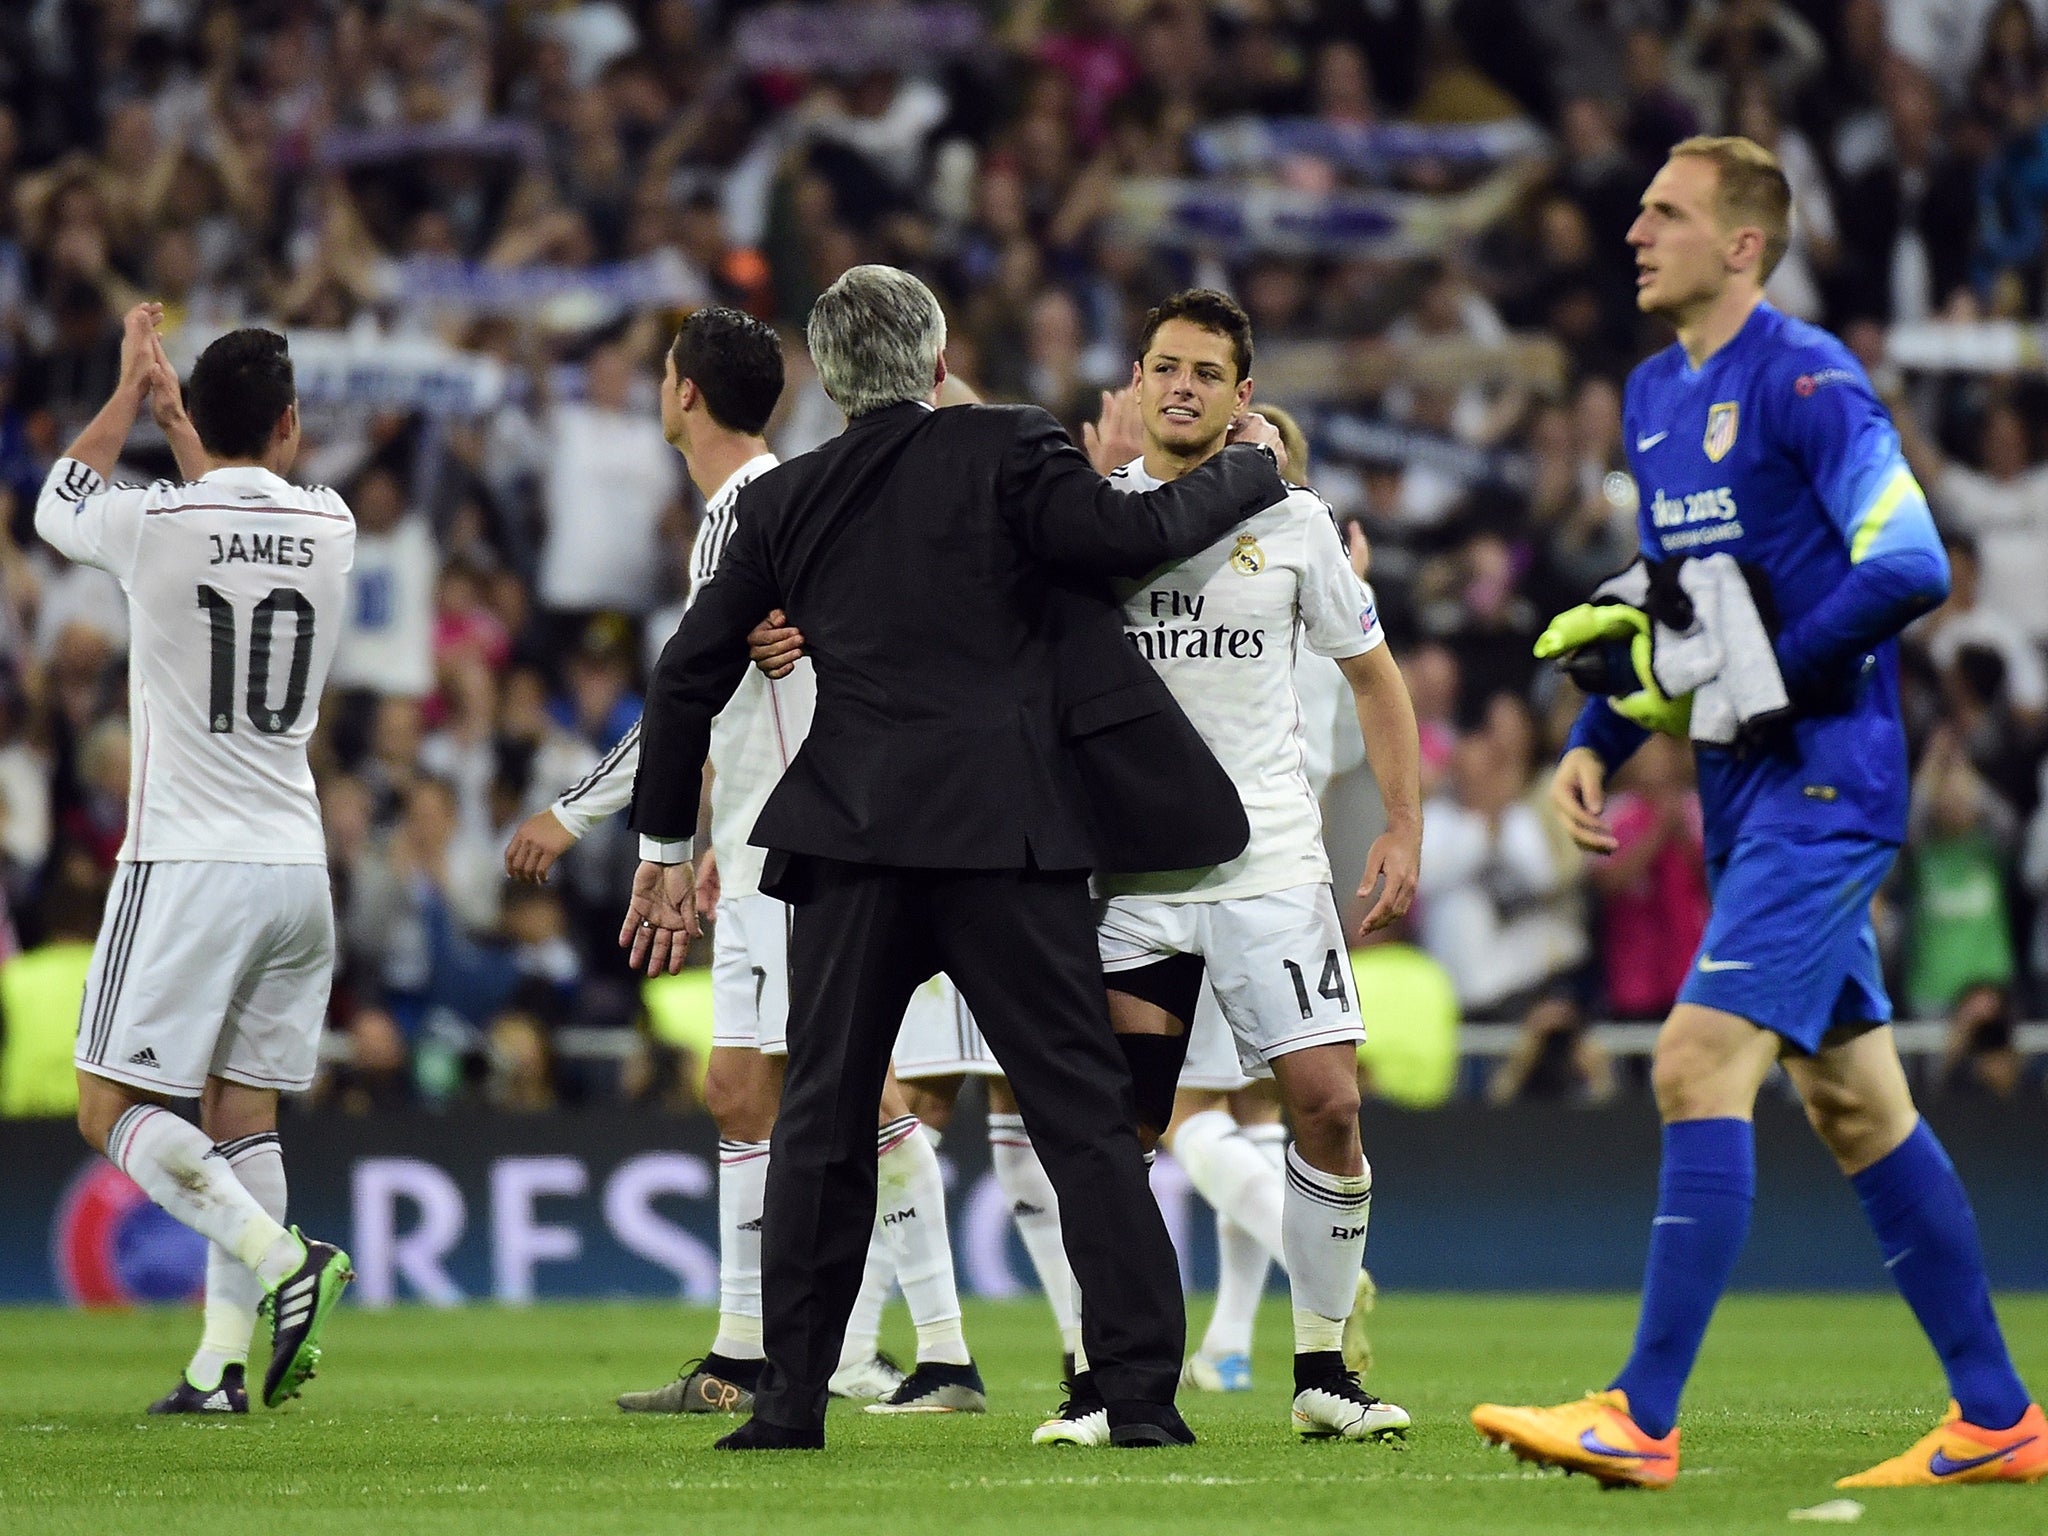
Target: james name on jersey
x=261 y=549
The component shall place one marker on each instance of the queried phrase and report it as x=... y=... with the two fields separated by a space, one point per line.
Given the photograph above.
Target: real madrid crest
x=1247 y=557
x=1721 y=429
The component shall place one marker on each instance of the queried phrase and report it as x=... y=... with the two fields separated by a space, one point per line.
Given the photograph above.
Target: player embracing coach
x=984 y=738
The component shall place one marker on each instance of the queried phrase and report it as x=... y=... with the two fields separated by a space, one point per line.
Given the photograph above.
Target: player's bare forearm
x=99 y=446
x=1393 y=745
x=1386 y=719
x=540 y=840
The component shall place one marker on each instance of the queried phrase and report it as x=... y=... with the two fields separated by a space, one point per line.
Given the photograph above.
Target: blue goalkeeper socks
x=1705 y=1192
x=1917 y=1208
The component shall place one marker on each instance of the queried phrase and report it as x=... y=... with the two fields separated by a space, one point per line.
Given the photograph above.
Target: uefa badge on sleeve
x=1721 y=429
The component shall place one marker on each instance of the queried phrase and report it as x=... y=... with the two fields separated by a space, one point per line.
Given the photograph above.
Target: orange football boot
x=1594 y=1435
x=1956 y=1452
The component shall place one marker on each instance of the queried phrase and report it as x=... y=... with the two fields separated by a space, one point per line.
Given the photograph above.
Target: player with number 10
x=211 y=974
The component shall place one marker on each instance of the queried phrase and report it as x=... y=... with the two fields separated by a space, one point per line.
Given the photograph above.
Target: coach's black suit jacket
x=984 y=735
x=945 y=568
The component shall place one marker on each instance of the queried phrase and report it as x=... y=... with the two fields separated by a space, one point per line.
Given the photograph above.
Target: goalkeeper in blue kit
x=1759 y=437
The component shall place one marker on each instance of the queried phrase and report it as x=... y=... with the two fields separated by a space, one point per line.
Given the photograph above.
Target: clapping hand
x=1118 y=435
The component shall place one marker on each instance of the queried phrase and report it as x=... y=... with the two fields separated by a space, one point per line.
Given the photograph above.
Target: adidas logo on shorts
x=143 y=1058
x=1026 y=1208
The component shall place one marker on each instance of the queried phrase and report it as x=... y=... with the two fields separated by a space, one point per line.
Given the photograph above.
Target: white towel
x=1724 y=659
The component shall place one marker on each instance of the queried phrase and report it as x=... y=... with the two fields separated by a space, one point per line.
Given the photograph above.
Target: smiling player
x=1222 y=629
x=1759 y=436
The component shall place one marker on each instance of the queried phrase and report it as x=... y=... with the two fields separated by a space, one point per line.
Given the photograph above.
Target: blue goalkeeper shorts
x=1789 y=945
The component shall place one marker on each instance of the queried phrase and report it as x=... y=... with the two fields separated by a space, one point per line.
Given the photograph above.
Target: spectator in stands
x=387 y=634
x=2004 y=505
x=97 y=819
x=1555 y=1060
x=422 y=901
x=1814 y=249
x=1964 y=622
x=376 y=1075
x=1959 y=843
x=1980 y=1059
x=611 y=483
x=2033 y=883
x=1490 y=882
x=1653 y=887
x=2013 y=230
x=1908 y=218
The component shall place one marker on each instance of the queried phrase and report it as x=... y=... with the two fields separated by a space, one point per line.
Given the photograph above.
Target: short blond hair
x=1749 y=189
x=1292 y=438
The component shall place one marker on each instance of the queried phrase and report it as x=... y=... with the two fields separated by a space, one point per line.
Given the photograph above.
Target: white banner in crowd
x=563 y=298
x=1980 y=346
x=838 y=39
x=365 y=368
x=1369 y=150
x=1244 y=220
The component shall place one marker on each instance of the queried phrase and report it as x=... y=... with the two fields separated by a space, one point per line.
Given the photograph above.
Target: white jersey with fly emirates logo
x=1221 y=628
x=236 y=585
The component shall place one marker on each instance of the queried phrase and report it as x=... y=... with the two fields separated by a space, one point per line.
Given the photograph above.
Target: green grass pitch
x=501 y=1422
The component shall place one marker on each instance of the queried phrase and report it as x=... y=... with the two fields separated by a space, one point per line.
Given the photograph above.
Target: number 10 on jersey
x=271 y=720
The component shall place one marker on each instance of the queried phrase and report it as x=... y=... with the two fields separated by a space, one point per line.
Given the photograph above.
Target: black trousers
x=1021 y=948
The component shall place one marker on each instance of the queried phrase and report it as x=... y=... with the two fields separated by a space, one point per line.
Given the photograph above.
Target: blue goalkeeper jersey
x=1777 y=451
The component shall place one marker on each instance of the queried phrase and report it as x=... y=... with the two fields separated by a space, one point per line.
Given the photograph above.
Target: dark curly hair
x=1212 y=311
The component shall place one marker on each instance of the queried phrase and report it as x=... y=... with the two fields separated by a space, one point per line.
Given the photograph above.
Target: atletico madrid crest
x=1721 y=430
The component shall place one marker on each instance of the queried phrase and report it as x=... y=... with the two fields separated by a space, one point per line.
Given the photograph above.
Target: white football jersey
x=236 y=587
x=1222 y=629
x=752 y=739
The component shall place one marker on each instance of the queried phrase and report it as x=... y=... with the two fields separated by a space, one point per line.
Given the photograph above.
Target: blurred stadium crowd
x=481 y=220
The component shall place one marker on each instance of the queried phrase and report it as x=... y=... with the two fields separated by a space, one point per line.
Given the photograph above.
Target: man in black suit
x=984 y=737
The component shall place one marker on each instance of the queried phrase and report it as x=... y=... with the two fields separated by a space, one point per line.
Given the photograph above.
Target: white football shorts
x=750 y=975
x=939 y=1037
x=1276 y=962
x=209 y=969
x=1212 y=1062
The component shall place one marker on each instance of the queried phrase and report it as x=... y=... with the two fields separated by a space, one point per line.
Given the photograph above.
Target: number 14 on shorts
x=1330 y=985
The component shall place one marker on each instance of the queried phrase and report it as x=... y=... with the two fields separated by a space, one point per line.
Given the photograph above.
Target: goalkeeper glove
x=1606 y=649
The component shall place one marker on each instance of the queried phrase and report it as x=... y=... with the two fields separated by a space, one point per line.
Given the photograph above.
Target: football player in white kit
x=1223 y=629
x=211 y=974
x=724 y=374
x=1226 y=1120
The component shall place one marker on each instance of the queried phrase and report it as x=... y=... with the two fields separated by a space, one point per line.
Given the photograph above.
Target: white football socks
x=1242 y=1262
x=232 y=1290
x=1230 y=1172
x=1028 y=1191
x=864 y=1323
x=177 y=1167
x=742 y=1187
x=911 y=1207
x=1325 y=1225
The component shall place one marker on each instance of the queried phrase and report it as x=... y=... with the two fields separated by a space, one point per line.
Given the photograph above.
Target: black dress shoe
x=1136 y=1423
x=760 y=1435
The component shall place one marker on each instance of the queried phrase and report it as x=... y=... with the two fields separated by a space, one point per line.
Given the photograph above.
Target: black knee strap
x=1155 y=1062
x=1172 y=982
